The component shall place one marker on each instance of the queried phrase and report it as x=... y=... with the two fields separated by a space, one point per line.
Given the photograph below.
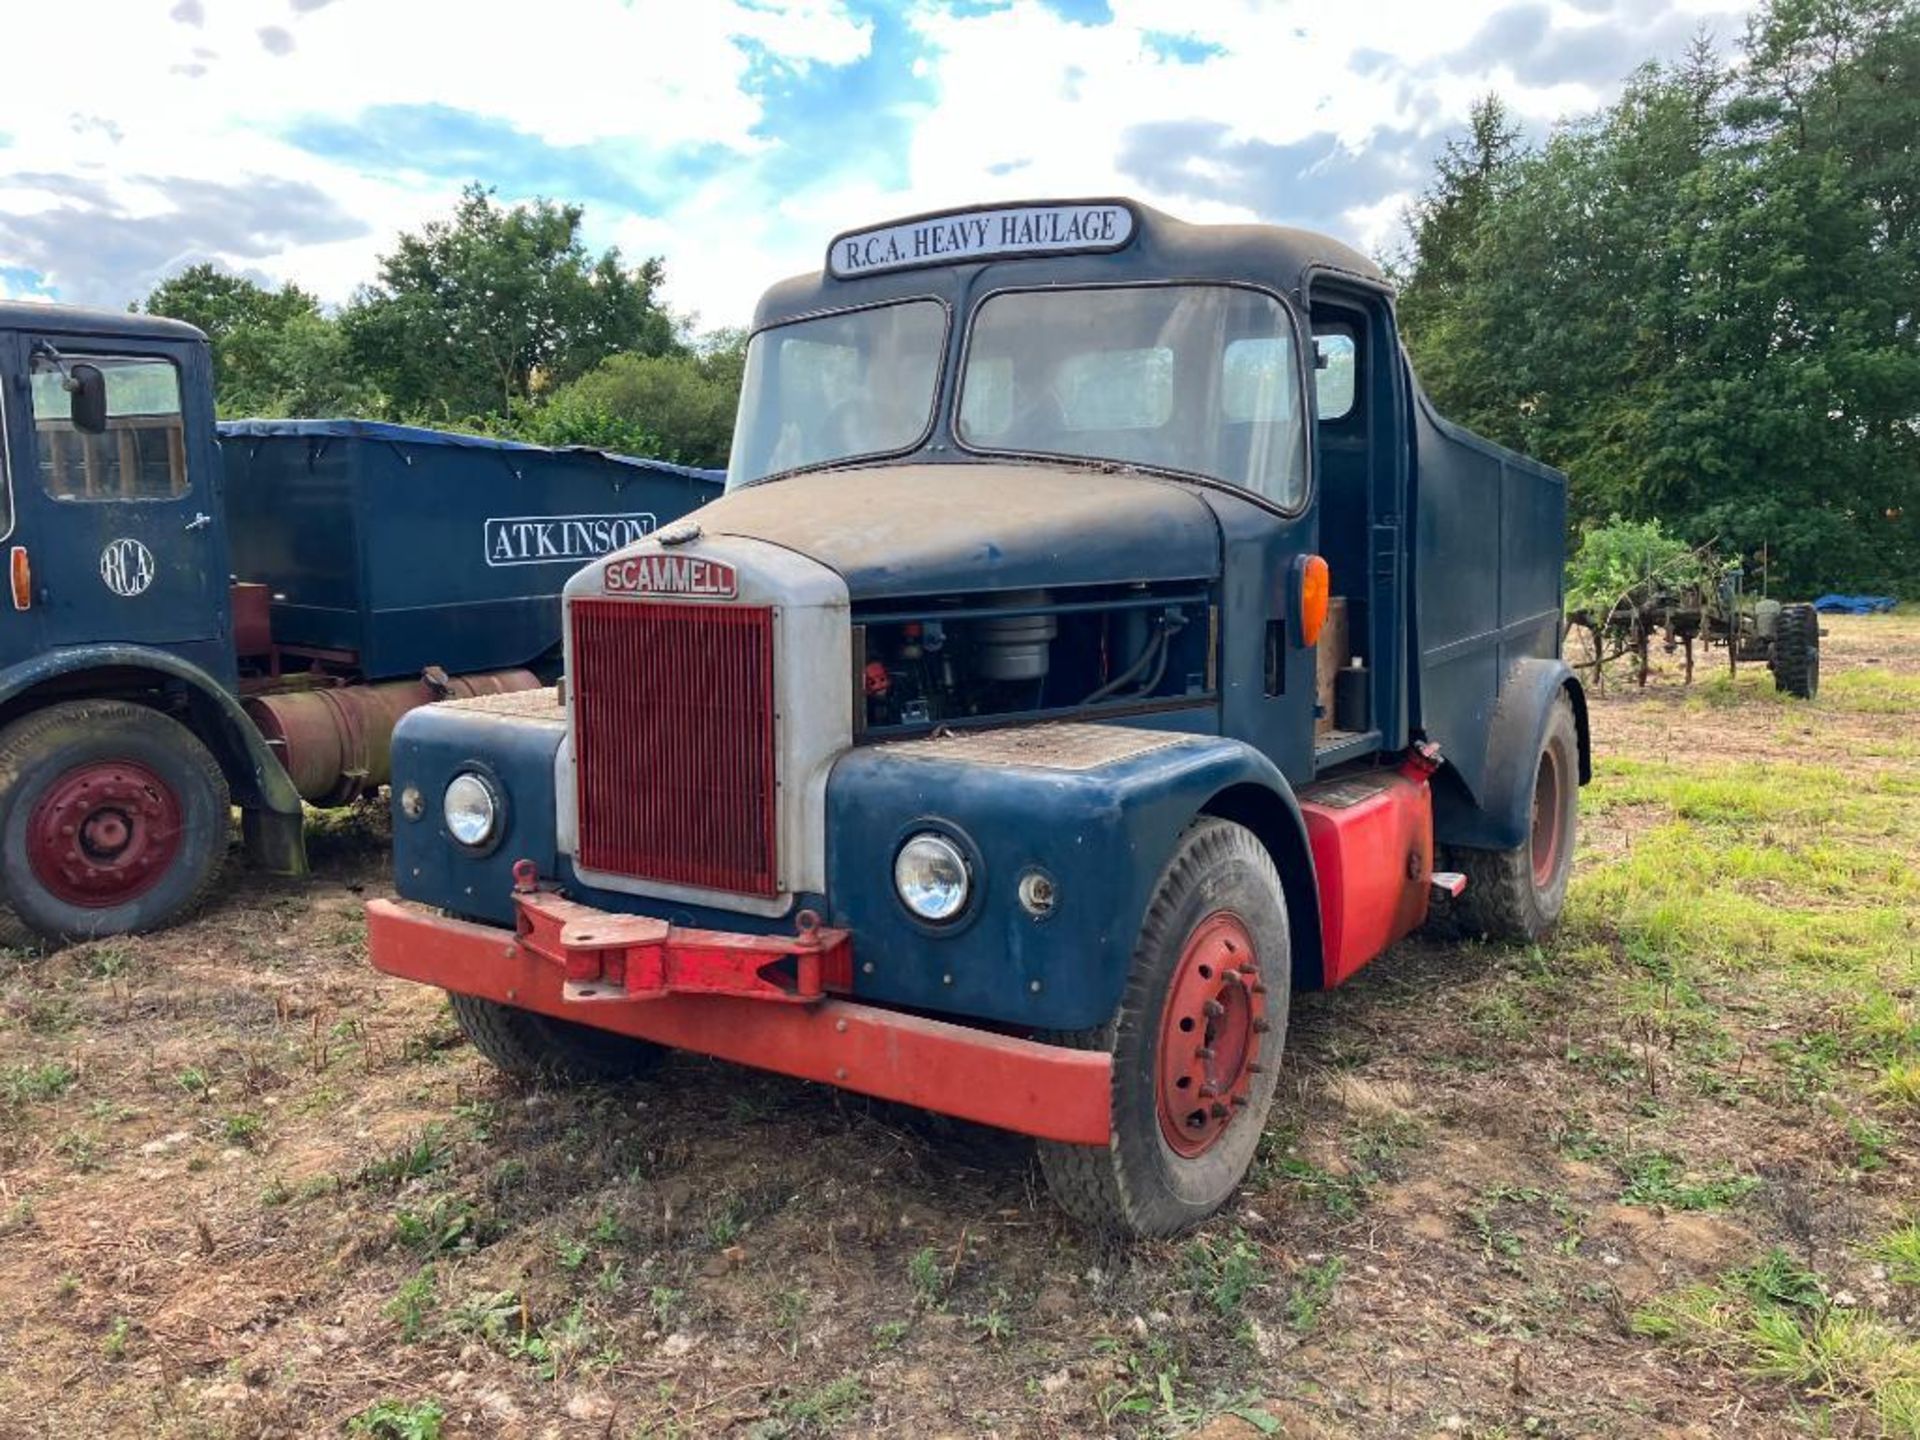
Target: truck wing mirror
x=88 y=386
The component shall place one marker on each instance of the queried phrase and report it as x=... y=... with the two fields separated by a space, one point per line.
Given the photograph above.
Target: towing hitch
x=610 y=957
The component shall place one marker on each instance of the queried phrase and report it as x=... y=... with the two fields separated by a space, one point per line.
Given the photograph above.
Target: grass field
x=1660 y=1177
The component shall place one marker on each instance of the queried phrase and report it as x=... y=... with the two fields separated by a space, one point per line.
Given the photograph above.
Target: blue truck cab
x=1101 y=637
x=203 y=616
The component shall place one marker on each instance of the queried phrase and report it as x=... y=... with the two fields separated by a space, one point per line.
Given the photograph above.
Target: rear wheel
x=114 y=819
x=529 y=1045
x=1196 y=1043
x=1518 y=895
x=1796 y=651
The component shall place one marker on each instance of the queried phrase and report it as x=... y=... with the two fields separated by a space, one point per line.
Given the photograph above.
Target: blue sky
x=292 y=139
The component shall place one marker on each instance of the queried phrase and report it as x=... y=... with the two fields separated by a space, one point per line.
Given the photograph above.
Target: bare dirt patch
x=248 y=1187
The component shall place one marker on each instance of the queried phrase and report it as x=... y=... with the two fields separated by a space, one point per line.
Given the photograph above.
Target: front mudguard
x=1500 y=816
x=273 y=816
x=1101 y=835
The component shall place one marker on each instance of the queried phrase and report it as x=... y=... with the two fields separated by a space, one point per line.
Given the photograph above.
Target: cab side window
x=142 y=455
x=1334 y=375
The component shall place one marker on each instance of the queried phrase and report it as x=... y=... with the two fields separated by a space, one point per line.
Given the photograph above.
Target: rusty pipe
x=337 y=742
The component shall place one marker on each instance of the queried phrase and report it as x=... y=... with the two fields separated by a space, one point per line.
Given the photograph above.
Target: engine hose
x=1156 y=647
x=1159 y=668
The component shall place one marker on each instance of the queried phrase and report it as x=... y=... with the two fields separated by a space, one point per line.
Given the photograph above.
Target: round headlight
x=930 y=872
x=471 y=808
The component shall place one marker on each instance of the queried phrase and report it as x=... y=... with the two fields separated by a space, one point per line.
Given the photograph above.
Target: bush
x=1615 y=558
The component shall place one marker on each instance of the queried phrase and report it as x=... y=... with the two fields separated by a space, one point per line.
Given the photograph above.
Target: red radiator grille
x=673 y=738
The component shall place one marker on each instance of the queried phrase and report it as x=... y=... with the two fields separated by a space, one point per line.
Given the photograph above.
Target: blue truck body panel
x=1487 y=547
x=410 y=547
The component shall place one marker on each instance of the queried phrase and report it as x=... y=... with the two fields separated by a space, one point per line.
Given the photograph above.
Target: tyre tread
x=531 y=1046
x=1796 y=652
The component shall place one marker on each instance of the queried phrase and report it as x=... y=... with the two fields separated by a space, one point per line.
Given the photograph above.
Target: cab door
x=122 y=527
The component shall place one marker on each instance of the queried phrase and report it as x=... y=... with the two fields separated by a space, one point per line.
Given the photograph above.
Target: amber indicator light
x=1316 y=588
x=20 y=569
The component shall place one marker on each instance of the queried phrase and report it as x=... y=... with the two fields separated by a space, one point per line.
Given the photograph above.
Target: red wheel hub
x=104 y=833
x=1547 y=800
x=1210 y=1034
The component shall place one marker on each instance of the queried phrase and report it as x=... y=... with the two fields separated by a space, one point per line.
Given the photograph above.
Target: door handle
x=200 y=520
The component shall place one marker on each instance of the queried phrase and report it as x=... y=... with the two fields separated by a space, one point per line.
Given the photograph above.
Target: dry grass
x=247 y=1187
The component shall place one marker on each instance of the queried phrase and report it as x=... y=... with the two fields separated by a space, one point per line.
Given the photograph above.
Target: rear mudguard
x=1500 y=817
x=273 y=818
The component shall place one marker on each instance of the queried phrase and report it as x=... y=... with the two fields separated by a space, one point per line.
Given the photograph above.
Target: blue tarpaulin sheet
x=418 y=435
x=1854 y=604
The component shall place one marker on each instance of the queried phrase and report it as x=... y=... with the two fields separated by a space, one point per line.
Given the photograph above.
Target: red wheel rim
x=1546 y=819
x=104 y=833
x=1210 y=1034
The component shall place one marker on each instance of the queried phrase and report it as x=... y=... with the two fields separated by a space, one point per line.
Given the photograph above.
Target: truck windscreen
x=838 y=387
x=1200 y=379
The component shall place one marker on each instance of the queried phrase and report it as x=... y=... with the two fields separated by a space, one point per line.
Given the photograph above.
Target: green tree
x=679 y=406
x=1702 y=301
x=274 y=352
x=484 y=309
x=1436 y=299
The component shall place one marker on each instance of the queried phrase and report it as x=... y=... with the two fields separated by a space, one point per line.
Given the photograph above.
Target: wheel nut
x=1205 y=1052
x=1218 y=1111
x=1214 y=1009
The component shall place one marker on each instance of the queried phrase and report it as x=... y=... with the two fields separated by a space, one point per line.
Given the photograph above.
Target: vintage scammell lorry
x=1100 y=637
x=204 y=615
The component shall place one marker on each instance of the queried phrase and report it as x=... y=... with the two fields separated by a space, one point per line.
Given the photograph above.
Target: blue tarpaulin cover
x=1854 y=604
x=420 y=435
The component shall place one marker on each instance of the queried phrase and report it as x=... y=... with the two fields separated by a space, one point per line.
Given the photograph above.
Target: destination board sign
x=961 y=236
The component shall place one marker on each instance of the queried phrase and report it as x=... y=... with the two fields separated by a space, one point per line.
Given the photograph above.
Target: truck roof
x=79 y=320
x=1156 y=246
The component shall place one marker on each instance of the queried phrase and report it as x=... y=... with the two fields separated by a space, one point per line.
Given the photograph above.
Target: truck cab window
x=142 y=455
x=1334 y=379
x=1198 y=379
x=837 y=388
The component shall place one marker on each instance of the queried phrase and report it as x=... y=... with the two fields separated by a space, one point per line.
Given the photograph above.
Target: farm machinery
x=1710 y=608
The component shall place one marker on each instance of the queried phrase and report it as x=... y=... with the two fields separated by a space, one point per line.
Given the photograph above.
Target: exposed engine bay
x=973 y=659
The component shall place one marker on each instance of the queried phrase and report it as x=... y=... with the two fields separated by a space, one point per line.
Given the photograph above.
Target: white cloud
x=1023 y=103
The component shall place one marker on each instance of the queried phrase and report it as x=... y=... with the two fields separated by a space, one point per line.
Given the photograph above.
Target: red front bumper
x=562 y=966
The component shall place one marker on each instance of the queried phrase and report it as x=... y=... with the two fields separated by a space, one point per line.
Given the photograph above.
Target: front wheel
x=113 y=818
x=1196 y=1043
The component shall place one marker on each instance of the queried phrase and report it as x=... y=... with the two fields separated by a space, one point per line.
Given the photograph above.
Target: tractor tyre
x=532 y=1046
x=113 y=819
x=1518 y=895
x=1196 y=1043
x=1796 y=652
